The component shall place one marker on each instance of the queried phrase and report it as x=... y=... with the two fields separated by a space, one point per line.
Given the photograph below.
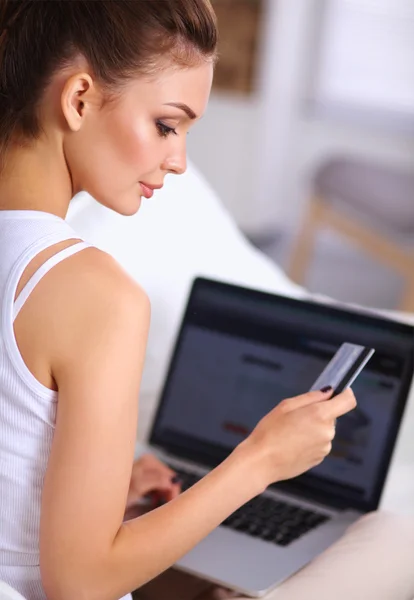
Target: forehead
x=189 y=85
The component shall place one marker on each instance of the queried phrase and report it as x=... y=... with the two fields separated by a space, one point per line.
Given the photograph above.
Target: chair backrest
x=379 y=191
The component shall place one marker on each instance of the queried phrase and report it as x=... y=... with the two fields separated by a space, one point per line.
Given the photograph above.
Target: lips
x=148 y=190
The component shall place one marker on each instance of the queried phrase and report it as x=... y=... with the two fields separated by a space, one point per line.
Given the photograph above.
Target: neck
x=36 y=178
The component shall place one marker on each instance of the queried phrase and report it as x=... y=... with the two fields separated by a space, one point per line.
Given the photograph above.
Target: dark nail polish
x=176 y=479
x=326 y=389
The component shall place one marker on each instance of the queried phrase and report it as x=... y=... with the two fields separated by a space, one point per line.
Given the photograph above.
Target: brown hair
x=118 y=38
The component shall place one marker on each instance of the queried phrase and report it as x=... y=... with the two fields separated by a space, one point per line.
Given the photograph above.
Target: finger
x=149 y=462
x=160 y=482
x=160 y=472
x=164 y=497
x=149 y=483
x=161 y=496
x=341 y=404
x=155 y=463
x=308 y=398
x=216 y=593
x=174 y=491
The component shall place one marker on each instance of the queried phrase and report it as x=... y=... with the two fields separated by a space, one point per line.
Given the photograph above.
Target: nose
x=176 y=163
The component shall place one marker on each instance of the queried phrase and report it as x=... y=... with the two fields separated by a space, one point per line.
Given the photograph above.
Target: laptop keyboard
x=263 y=517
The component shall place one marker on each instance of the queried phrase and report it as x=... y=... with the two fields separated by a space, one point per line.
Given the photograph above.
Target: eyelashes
x=164 y=131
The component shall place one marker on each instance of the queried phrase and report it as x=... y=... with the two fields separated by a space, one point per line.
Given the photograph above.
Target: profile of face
x=123 y=151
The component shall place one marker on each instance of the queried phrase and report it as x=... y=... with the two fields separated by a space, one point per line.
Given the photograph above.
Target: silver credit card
x=344 y=367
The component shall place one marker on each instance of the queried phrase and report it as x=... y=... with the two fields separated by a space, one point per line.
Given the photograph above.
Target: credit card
x=343 y=368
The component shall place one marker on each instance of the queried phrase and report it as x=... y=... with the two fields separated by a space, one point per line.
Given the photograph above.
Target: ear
x=76 y=93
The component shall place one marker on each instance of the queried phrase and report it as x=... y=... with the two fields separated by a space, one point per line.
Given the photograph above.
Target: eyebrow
x=189 y=112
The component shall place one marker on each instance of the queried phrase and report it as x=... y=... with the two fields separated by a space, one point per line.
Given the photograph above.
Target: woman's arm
x=98 y=330
x=98 y=327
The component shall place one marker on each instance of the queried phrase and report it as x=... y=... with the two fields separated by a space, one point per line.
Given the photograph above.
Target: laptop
x=239 y=352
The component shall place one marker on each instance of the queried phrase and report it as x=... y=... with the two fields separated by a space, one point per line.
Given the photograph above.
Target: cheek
x=134 y=144
x=121 y=152
x=111 y=156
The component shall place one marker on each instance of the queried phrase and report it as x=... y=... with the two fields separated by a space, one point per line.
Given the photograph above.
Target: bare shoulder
x=93 y=271
x=90 y=296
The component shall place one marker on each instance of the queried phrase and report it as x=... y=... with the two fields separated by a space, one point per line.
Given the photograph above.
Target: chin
x=127 y=208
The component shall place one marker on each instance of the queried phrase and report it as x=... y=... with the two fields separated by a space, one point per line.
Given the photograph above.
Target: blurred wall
x=259 y=151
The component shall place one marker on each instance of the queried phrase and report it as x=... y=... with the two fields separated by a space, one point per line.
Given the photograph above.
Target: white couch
x=185 y=231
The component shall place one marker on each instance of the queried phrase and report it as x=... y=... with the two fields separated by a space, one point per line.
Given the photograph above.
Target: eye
x=163 y=130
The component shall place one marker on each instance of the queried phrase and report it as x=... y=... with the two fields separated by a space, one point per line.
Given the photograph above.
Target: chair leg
x=380 y=248
x=319 y=215
x=303 y=249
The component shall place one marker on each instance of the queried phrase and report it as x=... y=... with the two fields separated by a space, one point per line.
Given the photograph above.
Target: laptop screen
x=240 y=351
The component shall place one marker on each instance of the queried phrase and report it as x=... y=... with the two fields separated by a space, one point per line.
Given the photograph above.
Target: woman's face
x=120 y=152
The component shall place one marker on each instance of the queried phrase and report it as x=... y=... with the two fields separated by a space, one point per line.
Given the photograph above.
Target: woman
x=99 y=96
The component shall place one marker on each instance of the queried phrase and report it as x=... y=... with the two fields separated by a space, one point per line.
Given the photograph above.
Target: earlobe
x=73 y=99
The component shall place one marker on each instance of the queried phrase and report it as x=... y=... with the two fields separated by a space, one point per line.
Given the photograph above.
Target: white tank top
x=27 y=408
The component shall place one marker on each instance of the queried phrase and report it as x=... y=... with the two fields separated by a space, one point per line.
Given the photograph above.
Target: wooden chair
x=370 y=204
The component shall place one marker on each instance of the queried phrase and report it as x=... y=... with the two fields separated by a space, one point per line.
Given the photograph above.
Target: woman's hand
x=150 y=477
x=296 y=435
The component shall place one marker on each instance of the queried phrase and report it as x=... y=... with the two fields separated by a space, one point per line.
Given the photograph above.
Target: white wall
x=259 y=152
x=223 y=145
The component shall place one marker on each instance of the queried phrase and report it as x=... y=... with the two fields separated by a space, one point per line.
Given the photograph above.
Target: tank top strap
x=41 y=272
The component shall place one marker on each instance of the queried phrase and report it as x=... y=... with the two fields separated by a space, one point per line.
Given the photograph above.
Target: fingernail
x=176 y=479
x=326 y=389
